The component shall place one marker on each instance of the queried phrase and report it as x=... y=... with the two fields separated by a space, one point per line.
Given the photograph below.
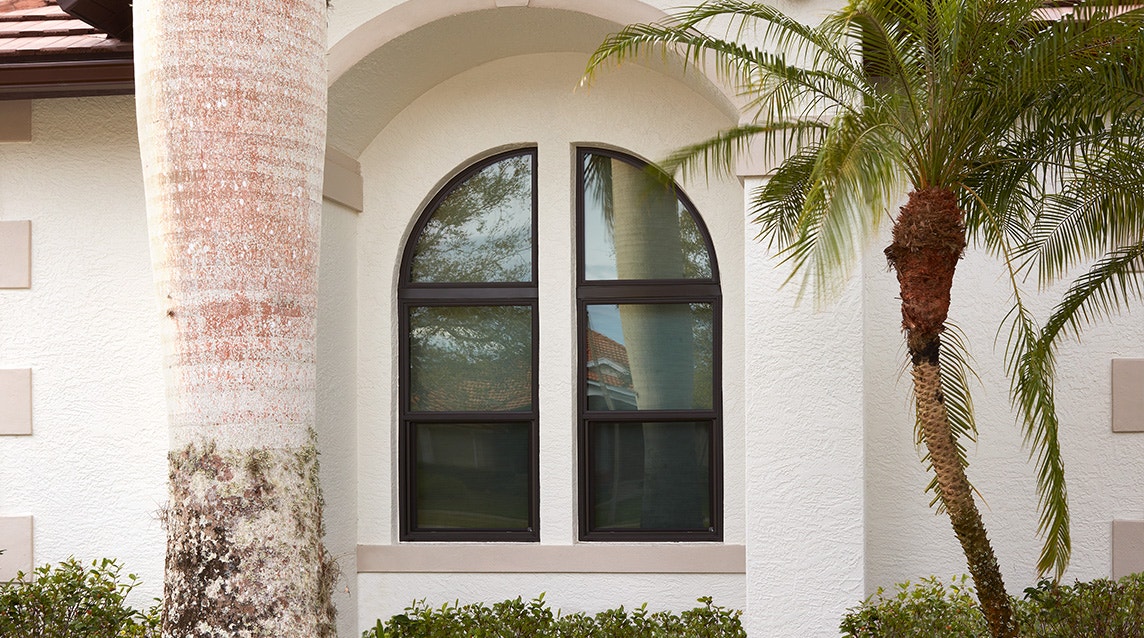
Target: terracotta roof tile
x=45 y=52
x=41 y=27
x=8 y=6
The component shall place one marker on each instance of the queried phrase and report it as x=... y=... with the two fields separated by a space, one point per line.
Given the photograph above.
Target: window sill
x=611 y=558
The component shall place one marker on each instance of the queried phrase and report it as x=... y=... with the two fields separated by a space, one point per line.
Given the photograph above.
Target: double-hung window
x=647 y=358
x=649 y=306
x=469 y=411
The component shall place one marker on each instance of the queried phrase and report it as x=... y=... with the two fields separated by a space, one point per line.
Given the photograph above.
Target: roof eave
x=69 y=78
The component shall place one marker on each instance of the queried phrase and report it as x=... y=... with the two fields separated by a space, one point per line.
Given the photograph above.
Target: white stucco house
x=810 y=490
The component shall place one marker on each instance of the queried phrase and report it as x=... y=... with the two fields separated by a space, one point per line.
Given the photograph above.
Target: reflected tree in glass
x=636 y=228
x=481 y=231
x=470 y=358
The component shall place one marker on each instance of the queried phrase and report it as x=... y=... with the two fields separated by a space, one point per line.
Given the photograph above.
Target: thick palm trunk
x=929 y=237
x=231 y=101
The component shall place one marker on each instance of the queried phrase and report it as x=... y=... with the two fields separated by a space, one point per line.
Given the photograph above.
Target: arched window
x=468 y=324
x=648 y=304
x=650 y=443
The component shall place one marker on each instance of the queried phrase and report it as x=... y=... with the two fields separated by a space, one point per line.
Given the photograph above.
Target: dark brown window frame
x=437 y=294
x=660 y=291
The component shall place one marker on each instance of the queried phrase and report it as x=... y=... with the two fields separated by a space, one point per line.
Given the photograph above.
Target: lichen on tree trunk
x=242 y=519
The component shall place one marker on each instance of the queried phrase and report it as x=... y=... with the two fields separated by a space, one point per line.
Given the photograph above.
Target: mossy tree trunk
x=231 y=106
x=928 y=241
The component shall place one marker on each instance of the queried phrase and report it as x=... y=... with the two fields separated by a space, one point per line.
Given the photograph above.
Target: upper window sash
x=636 y=225
x=480 y=229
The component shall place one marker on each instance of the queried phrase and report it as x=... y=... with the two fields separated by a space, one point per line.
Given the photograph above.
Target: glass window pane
x=470 y=358
x=482 y=230
x=635 y=227
x=649 y=356
x=651 y=476
x=472 y=475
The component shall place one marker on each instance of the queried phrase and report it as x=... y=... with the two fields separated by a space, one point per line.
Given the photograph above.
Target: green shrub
x=930 y=608
x=1100 y=608
x=534 y=619
x=71 y=600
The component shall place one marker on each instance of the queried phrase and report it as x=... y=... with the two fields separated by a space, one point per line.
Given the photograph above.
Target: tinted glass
x=482 y=230
x=470 y=358
x=649 y=356
x=635 y=226
x=472 y=475
x=651 y=476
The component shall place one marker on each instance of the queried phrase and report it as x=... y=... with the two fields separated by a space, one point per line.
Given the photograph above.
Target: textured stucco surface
x=93 y=472
x=337 y=410
x=805 y=456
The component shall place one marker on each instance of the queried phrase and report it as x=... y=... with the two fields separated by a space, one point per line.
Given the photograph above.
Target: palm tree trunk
x=929 y=237
x=231 y=99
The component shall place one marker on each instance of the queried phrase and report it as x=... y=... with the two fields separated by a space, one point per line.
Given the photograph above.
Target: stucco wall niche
x=531 y=101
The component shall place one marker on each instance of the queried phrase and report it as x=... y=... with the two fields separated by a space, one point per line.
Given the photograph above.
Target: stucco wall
x=337 y=408
x=93 y=472
x=805 y=457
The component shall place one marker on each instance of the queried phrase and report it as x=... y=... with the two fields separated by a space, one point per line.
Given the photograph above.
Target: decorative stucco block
x=16 y=121
x=1128 y=395
x=16 y=541
x=15 y=402
x=1127 y=548
x=15 y=254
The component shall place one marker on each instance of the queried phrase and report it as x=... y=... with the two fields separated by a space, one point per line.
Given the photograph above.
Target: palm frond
x=777 y=205
x=852 y=180
x=1031 y=393
x=717 y=154
x=1032 y=369
x=1096 y=211
x=1108 y=287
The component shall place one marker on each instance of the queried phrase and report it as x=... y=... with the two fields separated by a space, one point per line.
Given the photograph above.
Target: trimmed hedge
x=534 y=619
x=1100 y=608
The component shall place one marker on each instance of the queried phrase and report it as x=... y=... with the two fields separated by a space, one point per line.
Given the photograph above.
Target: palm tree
x=231 y=106
x=995 y=120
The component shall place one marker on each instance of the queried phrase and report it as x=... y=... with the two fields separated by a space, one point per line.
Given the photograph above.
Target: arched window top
x=637 y=224
x=480 y=228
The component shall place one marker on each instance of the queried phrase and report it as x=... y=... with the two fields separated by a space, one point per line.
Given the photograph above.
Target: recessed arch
x=382 y=65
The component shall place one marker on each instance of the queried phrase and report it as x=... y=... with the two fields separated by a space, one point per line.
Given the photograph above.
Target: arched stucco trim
x=412 y=14
x=376 y=33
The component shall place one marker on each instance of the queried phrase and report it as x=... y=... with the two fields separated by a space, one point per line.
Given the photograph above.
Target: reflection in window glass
x=636 y=227
x=649 y=356
x=651 y=476
x=482 y=230
x=470 y=358
x=472 y=475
